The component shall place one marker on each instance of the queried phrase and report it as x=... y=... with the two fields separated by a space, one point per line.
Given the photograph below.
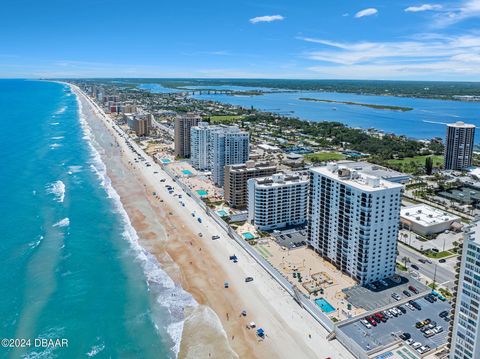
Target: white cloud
x=267 y=18
x=466 y=10
x=424 y=7
x=366 y=12
x=435 y=56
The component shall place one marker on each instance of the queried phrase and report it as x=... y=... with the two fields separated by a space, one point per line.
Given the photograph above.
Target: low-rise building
x=236 y=177
x=426 y=220
x=277 y=201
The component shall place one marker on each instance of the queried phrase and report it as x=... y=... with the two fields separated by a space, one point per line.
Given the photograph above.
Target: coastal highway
x=444 y=275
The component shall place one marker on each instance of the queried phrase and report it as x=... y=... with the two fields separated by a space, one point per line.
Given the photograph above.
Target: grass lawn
x=438 y=255
x=412 y=164
x=324 y=156
x=227 y=119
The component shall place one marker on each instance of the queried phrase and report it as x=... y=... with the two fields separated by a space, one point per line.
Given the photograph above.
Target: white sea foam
x=54 y=123
x=171 y=296
x=62 y=223
x=95 y=350
x=57 y=188
x=57 y=138
x=74 y=169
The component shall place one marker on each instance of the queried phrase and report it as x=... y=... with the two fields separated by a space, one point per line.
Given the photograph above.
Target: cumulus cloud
x=424 y=7
x=266 y=18
x=366 y=12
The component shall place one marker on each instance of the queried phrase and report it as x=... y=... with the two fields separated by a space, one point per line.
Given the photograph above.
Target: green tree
x=428 y=165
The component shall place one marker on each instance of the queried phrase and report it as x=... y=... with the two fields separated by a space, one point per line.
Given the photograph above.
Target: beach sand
x=215 y=328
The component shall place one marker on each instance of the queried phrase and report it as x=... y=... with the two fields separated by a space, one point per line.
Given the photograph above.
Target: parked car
x=215 y=237
x=409 y=341
x=405 y=336
x=429 y=333
x=443 y=314
x=414 y=266
x=416 y=345
x=413 y=289
x=438 y=329
x=402 y=309
x=407 y=293
x=248 y=279
x=366 y=323
x=396 y=296
x=443 y=260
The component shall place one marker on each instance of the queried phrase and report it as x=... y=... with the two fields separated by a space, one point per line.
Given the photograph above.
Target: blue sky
x=350 y=39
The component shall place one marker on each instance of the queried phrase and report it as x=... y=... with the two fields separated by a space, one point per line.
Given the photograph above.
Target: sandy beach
x=215 y=328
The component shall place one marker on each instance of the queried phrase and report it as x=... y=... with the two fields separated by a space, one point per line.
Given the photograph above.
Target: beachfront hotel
x=353 y=221
x=236 y=177
x=229 y=146
x=140 y=123
x=200 y=138
x=464 y=337
x=183 y=125
x=459 y=146
x=277 y=201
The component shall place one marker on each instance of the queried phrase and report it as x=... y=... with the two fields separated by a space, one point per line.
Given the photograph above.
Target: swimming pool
x=222 y=213
x=165 y=160
x=202 y=192
x=248 y=235
x=187 y=172
x=325 y=306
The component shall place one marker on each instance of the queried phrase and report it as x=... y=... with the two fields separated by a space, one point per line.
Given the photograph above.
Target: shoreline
x=287 y=325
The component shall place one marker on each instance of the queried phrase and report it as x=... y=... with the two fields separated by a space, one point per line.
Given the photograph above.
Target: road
x=445 y=274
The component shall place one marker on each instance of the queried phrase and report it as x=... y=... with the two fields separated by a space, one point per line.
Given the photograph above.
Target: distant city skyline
x=401 y=40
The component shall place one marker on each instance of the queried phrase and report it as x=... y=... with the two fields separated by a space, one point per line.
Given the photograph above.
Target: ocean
x=70 y=266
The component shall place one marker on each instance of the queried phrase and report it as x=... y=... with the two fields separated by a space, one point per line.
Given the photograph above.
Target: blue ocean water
x=68 y=267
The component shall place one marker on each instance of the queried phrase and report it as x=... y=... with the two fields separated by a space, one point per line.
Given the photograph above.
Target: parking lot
x=387 y=333
x=291 y=238
x=380 y=295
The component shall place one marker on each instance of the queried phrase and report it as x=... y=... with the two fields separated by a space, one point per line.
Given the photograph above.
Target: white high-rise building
x=459 y=146
x=229 y=146
x=277 y=201
x=200 y=139
x=353 y=221
x=465 y=341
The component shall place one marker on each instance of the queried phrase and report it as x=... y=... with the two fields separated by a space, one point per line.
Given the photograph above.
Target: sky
x=311 y=39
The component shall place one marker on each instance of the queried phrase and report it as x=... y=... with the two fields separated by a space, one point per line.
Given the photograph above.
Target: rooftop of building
x=373 y=169
x=426 y=215
x=354 y=178
x=280 y=179
x=250 y=166
x=461 y=124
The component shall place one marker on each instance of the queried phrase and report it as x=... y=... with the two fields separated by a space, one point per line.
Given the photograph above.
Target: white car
x=438 y=329
x=409 y=306
x=366 y=324
x=416 y=345
x=409 y=341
